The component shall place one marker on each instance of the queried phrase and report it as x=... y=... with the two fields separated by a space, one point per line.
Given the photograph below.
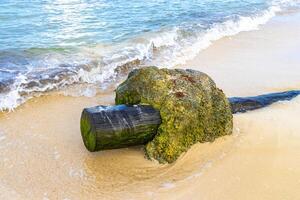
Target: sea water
x=51 y=44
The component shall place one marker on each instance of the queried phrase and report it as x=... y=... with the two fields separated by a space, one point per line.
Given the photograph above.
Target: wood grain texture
x=244 y=104
x=109 y=127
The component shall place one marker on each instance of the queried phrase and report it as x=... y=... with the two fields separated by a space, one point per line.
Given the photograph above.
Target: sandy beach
x=42 y=155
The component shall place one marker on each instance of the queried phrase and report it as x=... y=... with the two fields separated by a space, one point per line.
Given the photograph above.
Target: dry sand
x=42 y=155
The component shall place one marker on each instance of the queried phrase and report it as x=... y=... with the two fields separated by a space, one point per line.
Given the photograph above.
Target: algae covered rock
x=192 y=108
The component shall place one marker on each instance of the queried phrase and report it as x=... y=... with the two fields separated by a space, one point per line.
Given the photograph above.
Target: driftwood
x=244 y=104
x=110 y=127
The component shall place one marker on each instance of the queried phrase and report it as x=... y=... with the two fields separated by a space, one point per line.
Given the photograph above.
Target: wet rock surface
x=192 y=108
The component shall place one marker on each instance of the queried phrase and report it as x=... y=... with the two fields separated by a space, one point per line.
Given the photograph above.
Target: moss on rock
x=192 y=108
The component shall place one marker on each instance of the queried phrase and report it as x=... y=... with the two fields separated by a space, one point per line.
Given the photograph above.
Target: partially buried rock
x=192 y=108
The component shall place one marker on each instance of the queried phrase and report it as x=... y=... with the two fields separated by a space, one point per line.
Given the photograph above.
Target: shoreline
x=43 y=155
x=259 y=61
x=102 y=63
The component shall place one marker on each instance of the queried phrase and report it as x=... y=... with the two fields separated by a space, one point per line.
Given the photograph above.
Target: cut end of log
x=88 y=136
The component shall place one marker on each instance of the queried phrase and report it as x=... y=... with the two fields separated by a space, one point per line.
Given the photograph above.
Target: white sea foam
x=168 y=185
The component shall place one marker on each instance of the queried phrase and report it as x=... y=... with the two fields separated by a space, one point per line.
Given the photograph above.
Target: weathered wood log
x=110 y=127
x=244 y=104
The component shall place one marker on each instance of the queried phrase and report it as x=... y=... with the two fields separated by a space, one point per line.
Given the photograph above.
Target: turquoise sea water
x=50 y=44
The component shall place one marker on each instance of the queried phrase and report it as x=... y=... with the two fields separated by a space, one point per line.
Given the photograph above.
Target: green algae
x=192 y=108
x=89 y=138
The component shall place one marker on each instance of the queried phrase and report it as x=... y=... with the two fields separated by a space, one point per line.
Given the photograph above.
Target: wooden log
x=244 y=104
x=110 y=127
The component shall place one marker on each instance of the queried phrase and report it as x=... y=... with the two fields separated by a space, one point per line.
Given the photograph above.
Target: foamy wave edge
x=229 y=28
x=144 y=52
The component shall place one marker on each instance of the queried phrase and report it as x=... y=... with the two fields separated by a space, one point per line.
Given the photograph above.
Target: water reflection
x=71 y=22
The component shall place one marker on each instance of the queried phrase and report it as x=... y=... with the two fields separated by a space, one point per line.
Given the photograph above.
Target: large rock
x=192 y=108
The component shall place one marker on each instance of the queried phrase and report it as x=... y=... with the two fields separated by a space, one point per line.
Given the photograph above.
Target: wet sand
x=255 y=62
x=42 y=155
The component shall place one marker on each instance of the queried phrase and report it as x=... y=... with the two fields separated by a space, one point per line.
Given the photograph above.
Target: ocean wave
x=56 y=68
x=203 y=39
